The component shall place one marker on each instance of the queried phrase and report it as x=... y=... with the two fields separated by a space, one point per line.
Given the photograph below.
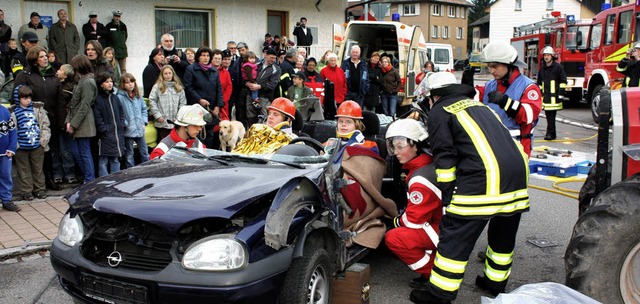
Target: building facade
x=441 y=21
x=193 y=23
x=507 y=14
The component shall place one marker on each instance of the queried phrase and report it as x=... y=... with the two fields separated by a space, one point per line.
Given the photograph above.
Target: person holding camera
x=303 y=34
x=630 y=67
x=173 y=56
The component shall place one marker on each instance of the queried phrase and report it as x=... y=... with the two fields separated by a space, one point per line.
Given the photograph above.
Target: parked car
x=214 y=227
x=476 y=64
x=459 y=64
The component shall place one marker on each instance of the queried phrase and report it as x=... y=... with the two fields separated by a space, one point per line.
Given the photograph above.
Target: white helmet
x=440 y=80
x=637 y=45
x=192 y=115
x=502 y=52
x=548 y=50
x=405 y=130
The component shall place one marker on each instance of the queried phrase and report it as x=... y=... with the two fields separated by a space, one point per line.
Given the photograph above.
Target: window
x=559 y=35
x=452 y=11
x=596 y=34
x=608 y=34
x=411 y=9
x=445 y=32
x=441 y=56
x=463 y=12
x=190 y=28
x=624 y=27
x=518 y=5
x=459 y=32
x=436 y=9
x=549 y=5
x=434 y=31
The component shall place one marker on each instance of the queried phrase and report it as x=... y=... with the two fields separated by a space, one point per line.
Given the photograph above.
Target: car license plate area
x=113 y=291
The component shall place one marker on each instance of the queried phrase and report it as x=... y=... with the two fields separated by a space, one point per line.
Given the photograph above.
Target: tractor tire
x=595 y=103
x=309 y=279
x=602 y=260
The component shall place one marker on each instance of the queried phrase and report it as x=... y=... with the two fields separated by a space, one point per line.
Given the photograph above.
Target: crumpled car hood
x=170 y=194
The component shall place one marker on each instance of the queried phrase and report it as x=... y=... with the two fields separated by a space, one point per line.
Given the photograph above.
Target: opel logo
x=114 y=259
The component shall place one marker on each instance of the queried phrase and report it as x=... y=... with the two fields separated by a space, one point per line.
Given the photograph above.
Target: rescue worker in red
x=415 y=238
x=483 y=175
x=188 y=124
x=349 y=126
x=514 y=97
x=552 y=81
x=630 y=67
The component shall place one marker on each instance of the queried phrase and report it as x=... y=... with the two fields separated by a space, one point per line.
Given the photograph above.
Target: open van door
x=338 y=37
x=413 y=66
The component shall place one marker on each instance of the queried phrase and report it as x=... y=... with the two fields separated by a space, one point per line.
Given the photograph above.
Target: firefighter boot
x=424 y=296
x=491 y=287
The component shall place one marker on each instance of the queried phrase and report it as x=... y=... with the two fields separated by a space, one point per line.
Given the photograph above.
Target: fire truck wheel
x=310 y=277
x=595 y=103
x=603 y=257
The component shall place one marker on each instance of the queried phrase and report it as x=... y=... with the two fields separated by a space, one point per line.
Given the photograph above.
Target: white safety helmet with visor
x=403 y=133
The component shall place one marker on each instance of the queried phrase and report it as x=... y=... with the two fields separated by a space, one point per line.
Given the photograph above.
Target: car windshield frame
x=225 y=158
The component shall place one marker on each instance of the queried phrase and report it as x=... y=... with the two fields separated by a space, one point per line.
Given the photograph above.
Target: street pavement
x=551 y=218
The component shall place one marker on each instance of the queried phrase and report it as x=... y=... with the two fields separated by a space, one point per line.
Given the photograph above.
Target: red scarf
x=387 y=69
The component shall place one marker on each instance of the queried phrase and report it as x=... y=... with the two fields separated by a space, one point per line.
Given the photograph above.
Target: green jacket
x=80 y=107
x=64 y=41
x=117 y=38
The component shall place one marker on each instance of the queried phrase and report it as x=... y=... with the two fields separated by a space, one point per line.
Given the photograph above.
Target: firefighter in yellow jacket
x=483 y=175
x=552 y=81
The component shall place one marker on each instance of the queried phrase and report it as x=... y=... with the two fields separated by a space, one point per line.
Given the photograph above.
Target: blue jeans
x=81 y=150
x=142 y=149
x=6 y=183
x=108 y=164
x=68 y=167
x=389 y=102
x=254 y=94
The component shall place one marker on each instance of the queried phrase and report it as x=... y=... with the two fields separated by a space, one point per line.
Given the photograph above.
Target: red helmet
x=285 y=106
x=350 y=109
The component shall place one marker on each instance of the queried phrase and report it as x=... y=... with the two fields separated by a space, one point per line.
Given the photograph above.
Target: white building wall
x=504 y=17
x=238 y=20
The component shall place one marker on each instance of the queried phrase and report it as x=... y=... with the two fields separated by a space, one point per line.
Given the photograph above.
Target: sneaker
x=486 y=285
x=57 y=180
x=10 y=206
x=41 y=195
x=71 y=180
x=419 y=282
x=27 y=197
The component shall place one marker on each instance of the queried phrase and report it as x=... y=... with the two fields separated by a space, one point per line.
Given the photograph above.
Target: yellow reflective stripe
x=626 y=81
x=492 y=170
x=619 y=69
x=489 y=199
x=563 y=85
x=542 y=88
x=496 y=275
x=553 y=86
x=499 y=258
x=444 y=283
x=449 y=265
x=446 y=175
x=487 y=210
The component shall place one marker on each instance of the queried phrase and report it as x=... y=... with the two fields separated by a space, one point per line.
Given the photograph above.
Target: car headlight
x=70 y=230
x=215 y=253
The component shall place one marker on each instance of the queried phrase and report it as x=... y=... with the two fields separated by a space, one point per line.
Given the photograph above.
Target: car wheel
x=310 y=279
x=595 y=103
x=603 y=257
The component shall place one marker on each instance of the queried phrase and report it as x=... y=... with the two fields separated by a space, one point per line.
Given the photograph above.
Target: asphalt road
x=552 y=216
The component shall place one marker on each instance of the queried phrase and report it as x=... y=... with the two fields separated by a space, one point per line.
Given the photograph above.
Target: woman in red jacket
x=335 y=74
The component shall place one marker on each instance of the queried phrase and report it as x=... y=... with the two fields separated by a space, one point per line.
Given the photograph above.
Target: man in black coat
x=303 y=34
x=94 y=30
x=172 y=56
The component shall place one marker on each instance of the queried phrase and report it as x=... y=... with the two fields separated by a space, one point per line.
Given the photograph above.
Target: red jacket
x=227 y=87
x=424 y=199
x=336 y=75
x=170 y=141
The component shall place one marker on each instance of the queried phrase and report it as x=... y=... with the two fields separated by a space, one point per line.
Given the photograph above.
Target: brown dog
x=231 y=132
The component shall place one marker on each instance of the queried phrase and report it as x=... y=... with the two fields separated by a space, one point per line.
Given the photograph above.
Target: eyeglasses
x=397 y=144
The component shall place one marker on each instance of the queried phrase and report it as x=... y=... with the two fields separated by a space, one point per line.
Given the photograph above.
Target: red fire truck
x=567 y=36
x=612 y=33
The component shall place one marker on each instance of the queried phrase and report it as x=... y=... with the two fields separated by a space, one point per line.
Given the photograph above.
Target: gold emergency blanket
x=262 y=139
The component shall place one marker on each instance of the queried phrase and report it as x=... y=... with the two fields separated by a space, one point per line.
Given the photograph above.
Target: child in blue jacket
x=8 y=145
x=135 y=118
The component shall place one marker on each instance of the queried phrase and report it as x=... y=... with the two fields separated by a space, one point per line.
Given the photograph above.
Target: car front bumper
x=258 y=282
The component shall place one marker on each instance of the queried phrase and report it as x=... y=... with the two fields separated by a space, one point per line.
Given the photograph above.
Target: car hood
x=170 y=194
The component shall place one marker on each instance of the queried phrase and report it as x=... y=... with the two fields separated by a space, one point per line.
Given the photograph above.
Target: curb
x=9 y=253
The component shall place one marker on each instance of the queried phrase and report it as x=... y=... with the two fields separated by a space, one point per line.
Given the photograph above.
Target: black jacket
x=45 y=89
x=303 y=40
x=90 y=34
x=475 y=155
x=179 y=67
x=109 y=117
x=552 y=81
x=201 y=84
x=631 y=70
x=149 y=77
x=372 y=98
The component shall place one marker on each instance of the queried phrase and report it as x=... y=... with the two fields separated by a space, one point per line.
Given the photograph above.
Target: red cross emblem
x=415 y=197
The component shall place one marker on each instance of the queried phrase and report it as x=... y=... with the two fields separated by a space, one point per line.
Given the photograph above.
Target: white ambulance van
x=405 y=42
x=442 y=56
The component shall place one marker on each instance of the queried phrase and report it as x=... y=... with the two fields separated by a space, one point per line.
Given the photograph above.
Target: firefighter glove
x=507 y=104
